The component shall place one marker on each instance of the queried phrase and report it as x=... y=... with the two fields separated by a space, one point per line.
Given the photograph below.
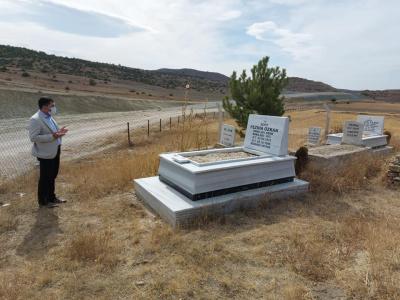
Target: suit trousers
x=48 y=174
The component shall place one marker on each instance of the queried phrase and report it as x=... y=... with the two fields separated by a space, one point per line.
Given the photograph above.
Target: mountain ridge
x=31 y=60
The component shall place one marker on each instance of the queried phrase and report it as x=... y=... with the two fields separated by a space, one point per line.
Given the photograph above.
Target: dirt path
x=86 y=131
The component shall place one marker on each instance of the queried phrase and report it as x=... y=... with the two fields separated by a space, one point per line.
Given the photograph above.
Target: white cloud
x=349 y=44
x=299 y=45
x=289 y=2
x=229 y=15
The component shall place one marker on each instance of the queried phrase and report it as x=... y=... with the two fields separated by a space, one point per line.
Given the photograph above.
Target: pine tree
x=260 y=93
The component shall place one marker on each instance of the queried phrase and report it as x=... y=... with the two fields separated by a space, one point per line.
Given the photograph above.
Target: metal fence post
x=170 y=122
x=129 y=135
x=178 y=119
x=160 y=125
x=148 y=127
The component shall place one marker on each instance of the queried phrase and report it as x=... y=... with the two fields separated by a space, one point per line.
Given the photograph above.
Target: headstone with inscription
x=314 y=135
x=352 y=133
x=228 y=135
x=373 y=125
x=267 y=134
x=213 y=181
x=373 y=136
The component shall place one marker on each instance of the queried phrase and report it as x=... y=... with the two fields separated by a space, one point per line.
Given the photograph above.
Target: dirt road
x=86 y=131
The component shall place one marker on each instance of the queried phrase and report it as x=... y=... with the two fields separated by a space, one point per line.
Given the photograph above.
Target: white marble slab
x=228 y=133
x=373 y=125
x=352 y=133
x=200 y=178
x=267 y=134
x=367 y=141
x=314 y=135
x=178 y=210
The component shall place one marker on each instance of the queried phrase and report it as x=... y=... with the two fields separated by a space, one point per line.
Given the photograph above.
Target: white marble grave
x=187 y=186
x=372 y=135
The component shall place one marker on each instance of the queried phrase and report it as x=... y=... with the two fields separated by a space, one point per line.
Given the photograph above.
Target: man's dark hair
x=43 y=101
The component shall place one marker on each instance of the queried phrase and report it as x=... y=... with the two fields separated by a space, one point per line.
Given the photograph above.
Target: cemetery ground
x=342 y=240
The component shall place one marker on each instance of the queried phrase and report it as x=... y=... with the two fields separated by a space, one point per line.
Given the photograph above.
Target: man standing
x=45 y=135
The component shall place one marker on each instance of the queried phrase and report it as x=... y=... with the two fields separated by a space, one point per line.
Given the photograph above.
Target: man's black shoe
x=58 y=200
x=49 y=205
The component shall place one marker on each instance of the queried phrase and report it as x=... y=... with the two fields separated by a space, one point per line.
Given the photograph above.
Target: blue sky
x=348 y=44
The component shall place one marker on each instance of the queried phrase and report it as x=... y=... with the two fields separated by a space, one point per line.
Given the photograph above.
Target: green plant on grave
x=259 y=93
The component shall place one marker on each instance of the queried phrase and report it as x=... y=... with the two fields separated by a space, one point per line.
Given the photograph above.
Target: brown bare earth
x=72 y=84
x=341 y=241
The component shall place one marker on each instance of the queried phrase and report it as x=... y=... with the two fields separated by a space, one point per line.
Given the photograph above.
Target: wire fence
x=89 y=134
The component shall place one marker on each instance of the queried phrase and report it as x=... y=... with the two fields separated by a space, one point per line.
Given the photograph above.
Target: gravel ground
x=220 y=156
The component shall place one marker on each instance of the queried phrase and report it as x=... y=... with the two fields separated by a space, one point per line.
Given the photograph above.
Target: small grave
x=191 y=184
x=367 y=131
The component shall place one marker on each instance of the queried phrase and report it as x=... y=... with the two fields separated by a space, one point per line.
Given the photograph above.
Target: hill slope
x=26 y=59
x=297 y=84
x=29 y=60
x=195 y=73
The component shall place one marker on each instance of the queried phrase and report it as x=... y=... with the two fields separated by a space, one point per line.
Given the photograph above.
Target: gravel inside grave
x=212 y=157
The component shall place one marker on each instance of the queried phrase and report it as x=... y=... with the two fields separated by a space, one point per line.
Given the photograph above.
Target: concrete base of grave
x=333 y=155
x=367 y=141
x=383 y=150
x=179 y=210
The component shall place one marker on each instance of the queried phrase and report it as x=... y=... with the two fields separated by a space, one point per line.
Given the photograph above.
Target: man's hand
x=63 y=131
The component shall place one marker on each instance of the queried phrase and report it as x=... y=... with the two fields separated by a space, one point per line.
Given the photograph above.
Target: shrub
x=302 y=159
x=92 y=82
x=336 y=129
x=25 y=74
x=389 y=136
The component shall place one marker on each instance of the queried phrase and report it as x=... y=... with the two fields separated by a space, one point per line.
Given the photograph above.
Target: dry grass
x=343 y=239
x=302 y=120
x=362 y=170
